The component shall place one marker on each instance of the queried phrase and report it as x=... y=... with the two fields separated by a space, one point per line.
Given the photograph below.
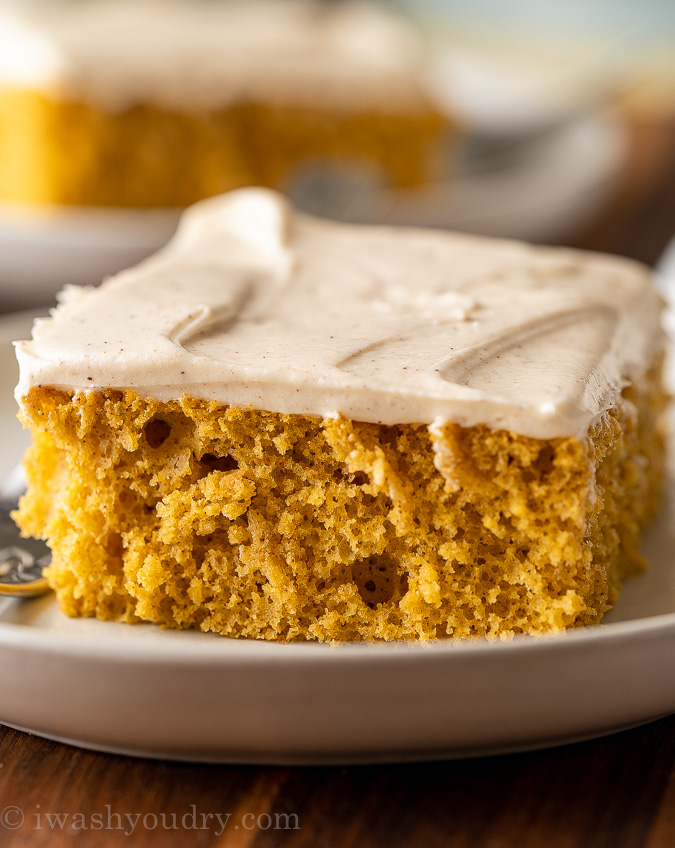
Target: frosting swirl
x=253 y=303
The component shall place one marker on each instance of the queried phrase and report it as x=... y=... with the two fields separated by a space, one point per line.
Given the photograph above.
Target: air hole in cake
x=127 y=499
x=378 y=580
x=199 y=617
x=207 y=540
x=157 y=432
x=211 y=462
x=545 y=460
x=360 y=479
x=114 y=545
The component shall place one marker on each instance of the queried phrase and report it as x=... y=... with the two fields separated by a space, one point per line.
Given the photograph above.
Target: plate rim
x=216 y=647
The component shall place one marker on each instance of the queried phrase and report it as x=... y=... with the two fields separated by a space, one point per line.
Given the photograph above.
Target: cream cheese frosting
x=204 y=54
x=254 y=304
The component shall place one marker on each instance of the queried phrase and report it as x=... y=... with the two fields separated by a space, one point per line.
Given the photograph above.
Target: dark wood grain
x=615 y=792
x=639 y=219
x=662 y=833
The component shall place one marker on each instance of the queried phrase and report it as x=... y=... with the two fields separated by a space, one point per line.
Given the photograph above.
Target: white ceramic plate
x=195 y=696
x=539 y=187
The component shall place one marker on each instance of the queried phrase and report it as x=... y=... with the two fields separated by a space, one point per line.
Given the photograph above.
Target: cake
x=286 y=428
x=158 y=103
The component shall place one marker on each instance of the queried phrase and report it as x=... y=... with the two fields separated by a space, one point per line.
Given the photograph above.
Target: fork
x=21 y=560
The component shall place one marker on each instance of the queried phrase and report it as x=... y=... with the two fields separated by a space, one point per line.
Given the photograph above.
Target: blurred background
x=624 y=48
x=563 y=131
x=622 y=33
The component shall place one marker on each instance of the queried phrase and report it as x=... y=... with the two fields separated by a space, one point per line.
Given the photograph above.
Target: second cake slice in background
x=148 y=103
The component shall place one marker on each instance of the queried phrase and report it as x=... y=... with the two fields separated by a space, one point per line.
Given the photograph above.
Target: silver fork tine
x=21 y=560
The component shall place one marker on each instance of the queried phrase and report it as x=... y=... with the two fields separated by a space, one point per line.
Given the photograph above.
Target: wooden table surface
x=614 y=792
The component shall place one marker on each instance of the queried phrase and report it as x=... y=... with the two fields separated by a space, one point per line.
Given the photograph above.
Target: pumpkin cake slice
x=286 y=428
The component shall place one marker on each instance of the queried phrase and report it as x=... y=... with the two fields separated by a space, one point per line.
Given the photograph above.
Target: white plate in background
x=537 y=190
x=43 y=249
x=195 y=696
